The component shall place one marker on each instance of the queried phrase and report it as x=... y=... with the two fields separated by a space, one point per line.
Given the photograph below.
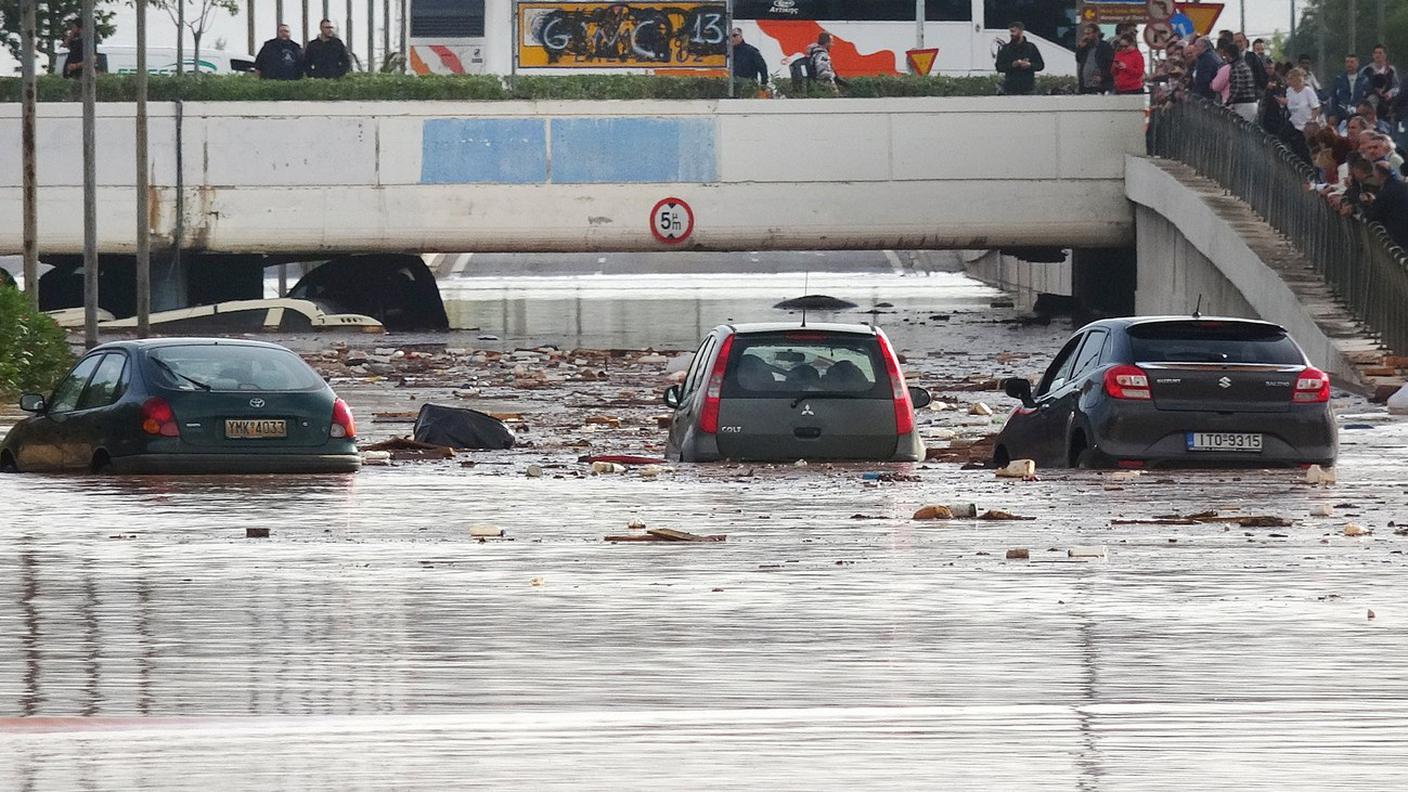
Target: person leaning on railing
x=1378 y=197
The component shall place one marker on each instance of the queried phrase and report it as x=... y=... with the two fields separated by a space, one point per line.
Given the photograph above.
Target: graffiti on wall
x=679 y=35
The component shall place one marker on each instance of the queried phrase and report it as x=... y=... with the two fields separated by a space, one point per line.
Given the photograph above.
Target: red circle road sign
x=671 y=221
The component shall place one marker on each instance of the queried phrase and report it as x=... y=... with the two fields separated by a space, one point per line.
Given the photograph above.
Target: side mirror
x=673 y=394
x=32 y=402
x=920 y=397
x=1019 y=388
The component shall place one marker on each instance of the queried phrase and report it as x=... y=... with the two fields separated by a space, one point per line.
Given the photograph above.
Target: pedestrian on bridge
x=1205 y=67
x=280 y=58
x=1018 y=61
x=1128 y=66
x=326 y=56
x=748 y=63
x=1095 y=60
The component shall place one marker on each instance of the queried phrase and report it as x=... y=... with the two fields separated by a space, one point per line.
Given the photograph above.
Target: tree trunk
x=195 y=51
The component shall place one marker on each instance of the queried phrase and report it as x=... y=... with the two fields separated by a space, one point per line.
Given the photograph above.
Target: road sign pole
x=919 y=14
x=728 y=46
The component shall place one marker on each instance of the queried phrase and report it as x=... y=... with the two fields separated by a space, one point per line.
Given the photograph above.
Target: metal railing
x=1358 y=260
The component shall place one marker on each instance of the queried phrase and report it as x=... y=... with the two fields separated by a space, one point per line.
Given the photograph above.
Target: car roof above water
x=754 y=328
x=157 y=343
x=1126 y=322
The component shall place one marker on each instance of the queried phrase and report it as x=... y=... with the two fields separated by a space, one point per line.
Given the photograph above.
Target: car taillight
x=1312 y=386
x=342 y=423
x=1127 y=382
x=709 y=417
x=159 y=419
x=904 y=409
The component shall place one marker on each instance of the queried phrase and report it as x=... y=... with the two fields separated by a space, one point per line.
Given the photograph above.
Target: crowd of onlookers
x=1348 y=132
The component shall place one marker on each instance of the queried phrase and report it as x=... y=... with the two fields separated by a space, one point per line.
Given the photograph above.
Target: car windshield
x=798 y=362
x=231 y=368
x=1212 y=342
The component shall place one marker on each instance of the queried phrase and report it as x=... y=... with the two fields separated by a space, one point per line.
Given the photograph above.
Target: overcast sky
x=1263 y=18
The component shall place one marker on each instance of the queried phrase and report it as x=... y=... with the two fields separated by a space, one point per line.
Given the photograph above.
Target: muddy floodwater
x=831 y=642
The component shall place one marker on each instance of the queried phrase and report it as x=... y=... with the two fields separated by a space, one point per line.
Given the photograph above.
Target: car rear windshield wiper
x=173 y=372
x=825 y=395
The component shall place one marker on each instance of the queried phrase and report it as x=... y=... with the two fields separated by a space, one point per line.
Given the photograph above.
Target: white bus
x=122 y=59
x=871 y=36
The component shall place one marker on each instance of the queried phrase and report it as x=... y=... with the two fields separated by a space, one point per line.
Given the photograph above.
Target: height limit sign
x=671 y=221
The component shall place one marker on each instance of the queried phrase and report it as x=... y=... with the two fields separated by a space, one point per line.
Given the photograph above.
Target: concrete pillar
x=1103 y=280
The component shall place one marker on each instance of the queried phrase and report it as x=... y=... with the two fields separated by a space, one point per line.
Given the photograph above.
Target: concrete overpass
x=329 y=177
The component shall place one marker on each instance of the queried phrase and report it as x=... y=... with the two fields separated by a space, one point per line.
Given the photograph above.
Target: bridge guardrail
x=1358 y=260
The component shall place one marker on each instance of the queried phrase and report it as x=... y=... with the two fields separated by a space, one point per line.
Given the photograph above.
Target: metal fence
x=1359 y=262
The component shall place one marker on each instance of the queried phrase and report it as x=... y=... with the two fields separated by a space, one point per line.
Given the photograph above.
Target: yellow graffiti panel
x=563 y=35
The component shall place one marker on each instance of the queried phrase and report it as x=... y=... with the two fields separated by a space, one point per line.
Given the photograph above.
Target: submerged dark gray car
x=1173 y=391
x=784 y=391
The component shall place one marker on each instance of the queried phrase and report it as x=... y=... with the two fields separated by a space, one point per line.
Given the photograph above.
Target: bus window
x=447 y=19
x=1053 y=20
x=853 y=10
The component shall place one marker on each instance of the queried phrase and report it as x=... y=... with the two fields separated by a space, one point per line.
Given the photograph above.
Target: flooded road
x=831 y=642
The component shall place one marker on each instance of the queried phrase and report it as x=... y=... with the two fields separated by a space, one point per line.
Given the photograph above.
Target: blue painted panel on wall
x=615 y=150
x=483 y=151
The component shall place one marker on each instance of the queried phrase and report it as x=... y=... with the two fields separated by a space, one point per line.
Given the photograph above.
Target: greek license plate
x=1224 y=441
x=241 y=429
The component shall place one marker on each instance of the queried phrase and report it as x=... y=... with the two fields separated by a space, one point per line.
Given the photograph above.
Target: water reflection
x=369 y=643
x=675 y=311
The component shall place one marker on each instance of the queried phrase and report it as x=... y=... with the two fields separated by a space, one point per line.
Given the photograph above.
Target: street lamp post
x=144 y=249
x=90 y=179
x=404 y=54
x=27 y=144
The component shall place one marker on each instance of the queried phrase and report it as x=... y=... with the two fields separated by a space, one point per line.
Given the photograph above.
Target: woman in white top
x=1301 y=102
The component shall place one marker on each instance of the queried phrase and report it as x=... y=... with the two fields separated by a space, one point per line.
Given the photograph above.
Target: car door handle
x=807 y=432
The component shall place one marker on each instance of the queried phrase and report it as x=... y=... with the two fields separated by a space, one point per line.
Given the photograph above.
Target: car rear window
x=787 y=364
x=231 y=368
x=1212 y=342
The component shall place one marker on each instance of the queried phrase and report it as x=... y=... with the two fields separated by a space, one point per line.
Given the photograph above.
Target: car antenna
x=806 y=289
x=1198 y=309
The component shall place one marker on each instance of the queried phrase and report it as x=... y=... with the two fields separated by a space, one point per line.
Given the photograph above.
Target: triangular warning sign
x=1203 y=15
x=921 y=61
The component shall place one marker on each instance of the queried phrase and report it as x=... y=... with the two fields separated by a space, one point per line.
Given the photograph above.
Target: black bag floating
x=457 y=427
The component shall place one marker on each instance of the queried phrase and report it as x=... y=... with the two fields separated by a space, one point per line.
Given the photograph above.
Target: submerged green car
x=185 y=405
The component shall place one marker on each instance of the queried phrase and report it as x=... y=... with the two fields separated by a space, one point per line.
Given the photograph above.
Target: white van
x=122 y=59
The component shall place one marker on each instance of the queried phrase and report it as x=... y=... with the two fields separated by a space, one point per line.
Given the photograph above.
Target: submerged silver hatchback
x=785 y=391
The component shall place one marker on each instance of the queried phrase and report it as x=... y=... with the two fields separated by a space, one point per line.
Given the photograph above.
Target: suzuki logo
x=807 y=410
x=1224 y=383
x=256 y=403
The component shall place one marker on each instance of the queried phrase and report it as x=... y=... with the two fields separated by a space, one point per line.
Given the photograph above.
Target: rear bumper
x=236 y=463
x=701 y=447
x=1304 y=434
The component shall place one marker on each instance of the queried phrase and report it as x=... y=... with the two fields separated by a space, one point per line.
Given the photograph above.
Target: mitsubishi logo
x=807 y=409
x=1224 y=383
x=256 y=403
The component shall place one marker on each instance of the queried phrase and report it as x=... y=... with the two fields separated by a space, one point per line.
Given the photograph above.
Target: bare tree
x=197 y=19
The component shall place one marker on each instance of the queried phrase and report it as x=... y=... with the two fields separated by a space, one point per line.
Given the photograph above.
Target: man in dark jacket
x=1094 y=62
x=1383 y=199
x=325 y=56
x=1018 y=61
x=1205 y=66
x=280 y=58
x=73 y=40
x=1348 y=89
x=748 y=63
